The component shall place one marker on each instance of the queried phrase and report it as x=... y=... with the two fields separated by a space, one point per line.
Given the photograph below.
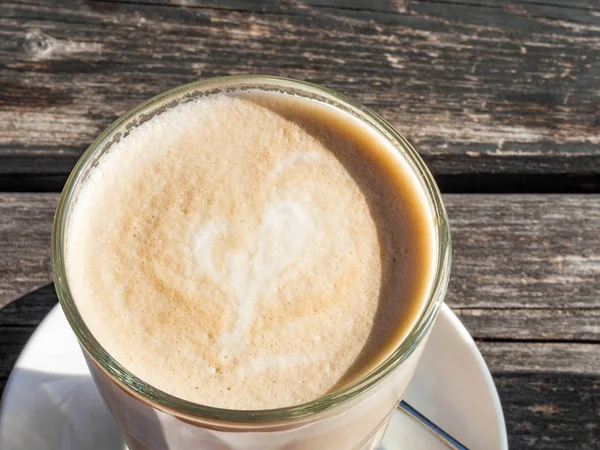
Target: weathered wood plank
x=546 y=411
x=504 y=88
x=525 y=357
x=516 y=251
x=25 y=226
x=510 y=251
x=523 y=324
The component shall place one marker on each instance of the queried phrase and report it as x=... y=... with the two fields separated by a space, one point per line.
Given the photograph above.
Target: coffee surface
x=250 y=250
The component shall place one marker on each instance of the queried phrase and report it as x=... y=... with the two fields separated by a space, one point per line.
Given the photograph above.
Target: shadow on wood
x=550 y=410
x=18 y=320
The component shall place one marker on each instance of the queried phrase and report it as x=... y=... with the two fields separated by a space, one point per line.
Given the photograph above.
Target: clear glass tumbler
x=354 y=417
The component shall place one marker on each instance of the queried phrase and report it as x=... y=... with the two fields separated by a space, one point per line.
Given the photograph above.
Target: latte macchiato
x=250 y=250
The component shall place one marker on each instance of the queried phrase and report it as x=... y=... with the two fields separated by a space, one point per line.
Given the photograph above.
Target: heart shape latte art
x=287 y=230
x=288 y=233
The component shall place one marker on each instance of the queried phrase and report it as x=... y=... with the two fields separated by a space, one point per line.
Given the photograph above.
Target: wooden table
x=502 y=99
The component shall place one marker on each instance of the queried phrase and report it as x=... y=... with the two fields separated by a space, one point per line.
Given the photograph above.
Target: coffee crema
x=250 y=250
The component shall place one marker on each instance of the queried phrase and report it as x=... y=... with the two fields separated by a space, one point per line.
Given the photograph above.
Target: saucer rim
x=445 y=313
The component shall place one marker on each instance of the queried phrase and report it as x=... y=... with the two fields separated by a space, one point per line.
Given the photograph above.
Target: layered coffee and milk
x=250 y=250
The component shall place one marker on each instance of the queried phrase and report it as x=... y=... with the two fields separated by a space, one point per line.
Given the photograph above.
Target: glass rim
x=180 y=407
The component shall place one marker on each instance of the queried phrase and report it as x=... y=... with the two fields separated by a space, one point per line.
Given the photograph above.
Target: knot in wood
x=38 y=45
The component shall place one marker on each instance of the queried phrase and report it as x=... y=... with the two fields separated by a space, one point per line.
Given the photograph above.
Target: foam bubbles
x=238 y=251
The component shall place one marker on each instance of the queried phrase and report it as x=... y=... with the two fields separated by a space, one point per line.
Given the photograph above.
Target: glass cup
x=353 y=417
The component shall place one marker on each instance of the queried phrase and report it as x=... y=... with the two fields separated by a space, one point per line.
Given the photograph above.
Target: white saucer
x=51 y=403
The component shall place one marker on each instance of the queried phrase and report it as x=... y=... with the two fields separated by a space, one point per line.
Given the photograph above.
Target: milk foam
x=250 y=250
x=282 y=236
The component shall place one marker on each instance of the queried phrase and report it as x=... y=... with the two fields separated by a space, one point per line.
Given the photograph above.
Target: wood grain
x=550 y=410
x=493 y=89
x=524 y=357
x=25 y=226
x=525 y=251
x=562 y=325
